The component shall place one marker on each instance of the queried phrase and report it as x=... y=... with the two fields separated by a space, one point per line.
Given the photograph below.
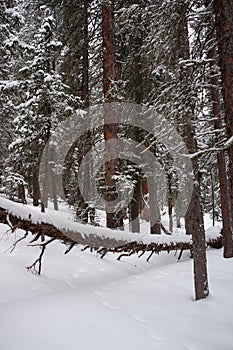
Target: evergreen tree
x=11 y=21
x=45 y=100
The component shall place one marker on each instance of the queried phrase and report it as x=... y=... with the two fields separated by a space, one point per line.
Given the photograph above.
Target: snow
x=55 y=43
x=6 y=84
x=229 y=142
x=83 y=302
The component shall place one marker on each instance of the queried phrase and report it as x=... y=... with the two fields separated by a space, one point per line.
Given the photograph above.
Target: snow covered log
x=42 y=229
x=124 y=243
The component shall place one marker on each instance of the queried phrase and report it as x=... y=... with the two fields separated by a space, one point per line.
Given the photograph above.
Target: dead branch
x=150 y=255
x=85 y=248
x=39 y=259
x=35 y=238
x=141 y=254
x=125 y=254
x=103 y=252
x=69 y=249
x=43 y=243
x=18 y=240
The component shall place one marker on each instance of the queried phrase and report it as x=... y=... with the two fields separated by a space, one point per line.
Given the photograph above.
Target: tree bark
x=224 y=27
x=155 y=220
x=194 y=223
x=35 y=186
x=53 y=184
x=109 y=63
x=134 y=206
x=227 y=213
x=113 y=219
x=170 y=195
x=85 y=77
x=86 y=101
x=45 y=187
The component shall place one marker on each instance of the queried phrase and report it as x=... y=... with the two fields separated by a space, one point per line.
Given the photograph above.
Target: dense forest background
x=60 y=57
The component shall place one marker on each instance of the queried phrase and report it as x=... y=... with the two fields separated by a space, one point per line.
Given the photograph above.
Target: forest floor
x=83 y=302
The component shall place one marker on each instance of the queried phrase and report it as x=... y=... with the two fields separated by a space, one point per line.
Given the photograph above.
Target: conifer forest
x=117 y=131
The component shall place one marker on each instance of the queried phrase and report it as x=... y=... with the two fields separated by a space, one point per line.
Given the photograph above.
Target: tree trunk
x=155 y=220
x=194 y=223
x=134 y=207
x=113 y=219
x=212 y=197
x=86 y=185
x=85 y=77
x=52 y=177
x=224 y=27
x=86 y=102
x=135 y=204
x=169 y=179
x=35 y=186
x=227 y=213
x=138 y=75
x=45 y=188
x=21 y=193
x=109 y=63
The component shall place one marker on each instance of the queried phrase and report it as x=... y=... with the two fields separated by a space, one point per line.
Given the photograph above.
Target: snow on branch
x=229 y=142
x=221 y=146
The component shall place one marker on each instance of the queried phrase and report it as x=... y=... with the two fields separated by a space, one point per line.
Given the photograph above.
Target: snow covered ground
x=83 y=302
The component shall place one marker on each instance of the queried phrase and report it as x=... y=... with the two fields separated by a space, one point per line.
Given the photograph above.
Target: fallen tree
x=46 y=233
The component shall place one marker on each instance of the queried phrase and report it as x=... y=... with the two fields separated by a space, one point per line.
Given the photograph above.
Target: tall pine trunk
x=227 y=213
x=113 y=219
x=85 y=96
x=194 y=223
x=35 y=186
x=135 y=204
x=85 y=71
x=224 y=27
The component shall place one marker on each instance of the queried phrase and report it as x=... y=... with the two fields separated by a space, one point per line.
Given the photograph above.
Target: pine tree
x=175 y=95
x=45 y=99
x=11 y=21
